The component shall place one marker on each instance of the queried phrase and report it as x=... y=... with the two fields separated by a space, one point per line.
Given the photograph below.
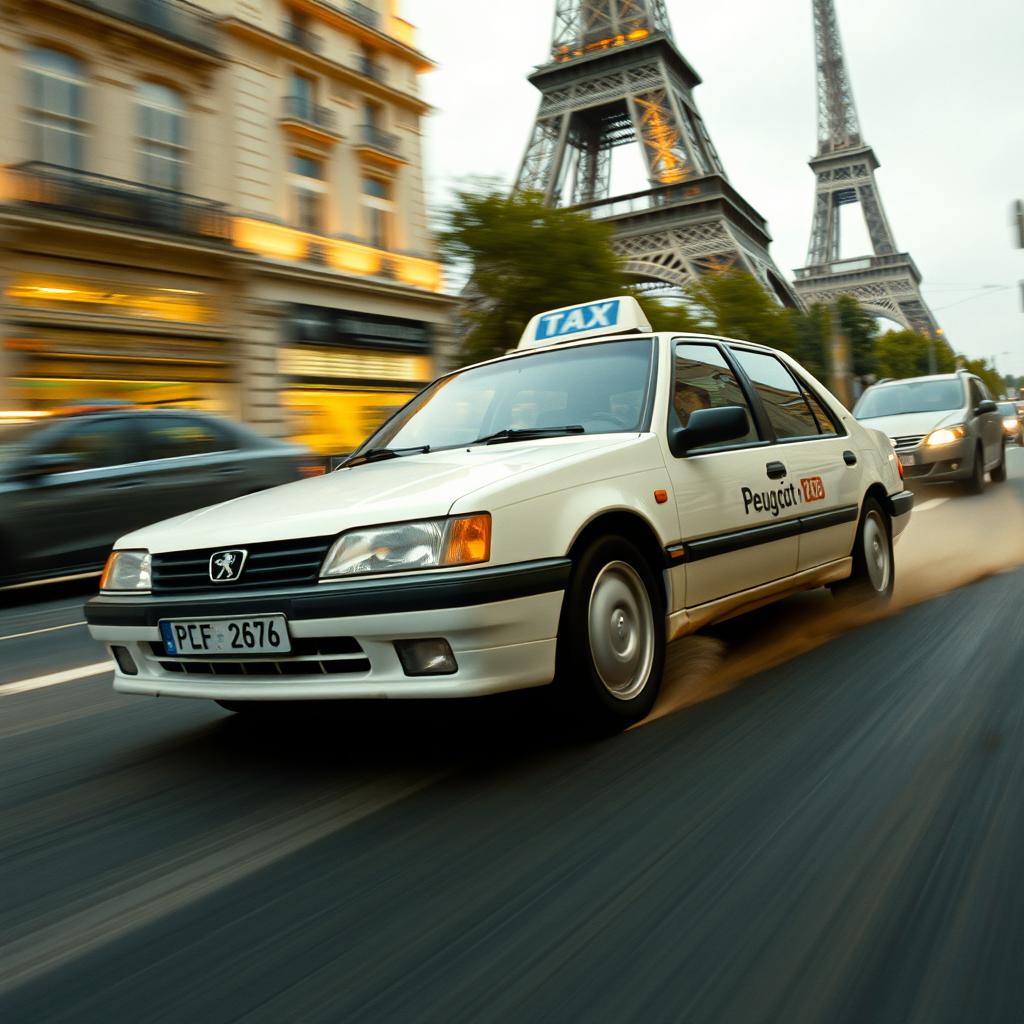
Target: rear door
x=733 y=514
x=815 y=453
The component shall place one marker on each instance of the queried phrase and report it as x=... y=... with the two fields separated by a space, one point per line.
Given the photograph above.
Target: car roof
x=917 y=380
x=604 y=339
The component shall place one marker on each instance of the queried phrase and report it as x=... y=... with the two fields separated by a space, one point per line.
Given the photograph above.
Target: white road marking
x=56 y=678
x=929 y=505
x=48 y=629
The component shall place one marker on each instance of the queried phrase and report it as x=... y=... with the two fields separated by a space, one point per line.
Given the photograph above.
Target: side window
x=825 y=420
x=96 y=443
x=171 y=437
x=786 y=405
x=702 y=379
x=976 y=395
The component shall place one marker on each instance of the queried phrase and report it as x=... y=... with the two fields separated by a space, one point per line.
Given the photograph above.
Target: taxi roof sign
x=619 y=315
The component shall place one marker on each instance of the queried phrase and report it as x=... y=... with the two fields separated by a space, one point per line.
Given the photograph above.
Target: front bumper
x=501 y=623
x=935 y=465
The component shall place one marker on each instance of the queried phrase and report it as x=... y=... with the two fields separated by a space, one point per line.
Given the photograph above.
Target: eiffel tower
x=887 y=283
x=617 y=78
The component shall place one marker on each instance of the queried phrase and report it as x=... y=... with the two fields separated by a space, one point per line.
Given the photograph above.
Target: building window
x=56 y=88
x=302 y=96
x=162 y=136
x=308 y=192
x=378 y=212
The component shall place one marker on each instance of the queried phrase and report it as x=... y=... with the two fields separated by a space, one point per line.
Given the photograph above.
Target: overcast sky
x=939 y=85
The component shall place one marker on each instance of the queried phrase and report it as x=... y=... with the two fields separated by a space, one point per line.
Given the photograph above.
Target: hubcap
x=620 y=624
x=876 y=552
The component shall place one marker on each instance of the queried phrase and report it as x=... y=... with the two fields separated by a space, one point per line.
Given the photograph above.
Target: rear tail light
x=899 y=466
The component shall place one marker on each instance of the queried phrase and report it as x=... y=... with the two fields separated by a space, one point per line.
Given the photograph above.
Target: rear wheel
x=874 y=568
x=611 y=640
x=975 y=483
x=998 y=474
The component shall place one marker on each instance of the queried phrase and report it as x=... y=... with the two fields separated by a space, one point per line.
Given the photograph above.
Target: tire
x=611 y=639
x=874 y=568
x=975 y=483
x=998 y=475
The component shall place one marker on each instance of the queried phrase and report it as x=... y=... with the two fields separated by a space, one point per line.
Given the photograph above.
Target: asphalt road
x=839 y=837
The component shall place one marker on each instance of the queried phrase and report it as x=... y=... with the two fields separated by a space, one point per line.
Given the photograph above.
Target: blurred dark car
x=70 y=485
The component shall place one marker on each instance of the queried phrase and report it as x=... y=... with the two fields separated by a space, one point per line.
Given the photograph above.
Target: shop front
x=79 y=341
x=345 y=373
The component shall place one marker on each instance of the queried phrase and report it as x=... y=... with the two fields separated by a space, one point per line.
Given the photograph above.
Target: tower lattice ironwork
x=887 y=282
x=616 y=77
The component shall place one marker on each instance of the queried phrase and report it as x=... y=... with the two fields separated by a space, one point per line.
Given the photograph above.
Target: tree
x=902 y=354
x=861 y=329
x=737 y=306
x=524 y=257
x=988 y=373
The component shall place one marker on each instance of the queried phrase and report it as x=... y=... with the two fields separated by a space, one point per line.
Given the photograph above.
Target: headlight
x=946 y=435
x=429 y=544
x=127 y=570
x=1010 y=423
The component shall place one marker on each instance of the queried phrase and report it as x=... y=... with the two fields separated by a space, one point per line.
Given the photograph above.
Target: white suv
x=554 y=516
x=944 y=427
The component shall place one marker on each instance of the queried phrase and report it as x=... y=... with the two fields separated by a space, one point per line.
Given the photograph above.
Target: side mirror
x=709 y=426
x=986 y=406
x=37 y=466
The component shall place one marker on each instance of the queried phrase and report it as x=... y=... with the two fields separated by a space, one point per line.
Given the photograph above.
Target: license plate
x=261 y=634
x=908 y=460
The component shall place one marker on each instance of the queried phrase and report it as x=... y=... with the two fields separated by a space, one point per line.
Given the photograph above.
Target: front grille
x=278 y=564
x=323 y=656
x=904 y=443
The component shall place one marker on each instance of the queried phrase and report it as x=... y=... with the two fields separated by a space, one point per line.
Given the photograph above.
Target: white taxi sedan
x=555 y=516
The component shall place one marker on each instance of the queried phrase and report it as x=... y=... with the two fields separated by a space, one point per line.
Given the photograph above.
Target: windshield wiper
x=383 y=454
x=529 y=433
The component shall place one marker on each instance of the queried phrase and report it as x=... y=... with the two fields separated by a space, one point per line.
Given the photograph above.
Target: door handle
x=850 y=458
x=776 y=470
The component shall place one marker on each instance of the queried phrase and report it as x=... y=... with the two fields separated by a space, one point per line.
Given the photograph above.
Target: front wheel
x=874 y=569
x=998 y=475
x=975 y=483
x=611 y=639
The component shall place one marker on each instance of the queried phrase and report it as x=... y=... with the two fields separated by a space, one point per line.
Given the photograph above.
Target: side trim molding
x=738 y=540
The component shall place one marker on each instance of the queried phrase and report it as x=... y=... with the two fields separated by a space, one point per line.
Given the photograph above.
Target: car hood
x=912 y=424
x=413 y=487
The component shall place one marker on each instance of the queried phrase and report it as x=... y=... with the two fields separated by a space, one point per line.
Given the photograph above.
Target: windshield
x=1008 y=408
x=914 y=396
x=601 y=388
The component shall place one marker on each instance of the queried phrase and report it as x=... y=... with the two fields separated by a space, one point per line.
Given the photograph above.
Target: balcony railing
x=372 y=69
x=301 y=36
x=98 y=197
x=362 y=13
x=298 y=108
x=385 y=142
x=175 y=19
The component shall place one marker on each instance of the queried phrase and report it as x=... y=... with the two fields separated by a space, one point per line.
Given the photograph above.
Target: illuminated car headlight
x=127 y=570
x=944 y=436
x=1010 y=424
x=400 y=547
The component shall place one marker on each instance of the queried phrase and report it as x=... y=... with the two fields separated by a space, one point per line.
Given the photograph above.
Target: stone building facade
x=218 y=205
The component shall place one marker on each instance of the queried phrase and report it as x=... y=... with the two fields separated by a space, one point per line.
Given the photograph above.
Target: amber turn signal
x=469 y=540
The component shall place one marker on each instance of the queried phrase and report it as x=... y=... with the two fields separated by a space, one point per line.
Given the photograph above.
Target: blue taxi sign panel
x=619 y=315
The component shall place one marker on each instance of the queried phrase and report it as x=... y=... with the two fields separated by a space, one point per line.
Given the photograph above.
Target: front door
x=736 y=511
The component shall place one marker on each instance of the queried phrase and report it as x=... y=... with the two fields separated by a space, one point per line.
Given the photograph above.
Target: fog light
x=124 y=660
x=426 y=657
